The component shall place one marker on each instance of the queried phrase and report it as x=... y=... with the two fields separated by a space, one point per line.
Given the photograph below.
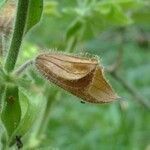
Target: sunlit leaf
x=50 y=8
x=11 y=111
x=141 y=17
x=131 y=4
x=113 y=14
x=30 y=106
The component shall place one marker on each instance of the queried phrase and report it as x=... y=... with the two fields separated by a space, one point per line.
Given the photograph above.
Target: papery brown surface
x=6 y=17
x=6 y=23
x=80 y=76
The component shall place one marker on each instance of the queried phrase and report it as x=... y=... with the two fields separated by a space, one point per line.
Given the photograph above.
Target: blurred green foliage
x=100 y=28
x=121 y=125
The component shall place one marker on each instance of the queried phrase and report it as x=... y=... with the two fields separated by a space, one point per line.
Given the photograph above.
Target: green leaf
x=130 y=4
x=34 y=13
x=124 y=4
x=11 y=111
x=117 y=16
x=113 y=14
x=142 y=17
x=30 y=105
x=50 y=8
x=104 y=8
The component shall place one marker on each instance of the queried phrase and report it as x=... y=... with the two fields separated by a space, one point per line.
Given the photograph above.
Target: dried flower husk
x=80 y=76
x=7 y=17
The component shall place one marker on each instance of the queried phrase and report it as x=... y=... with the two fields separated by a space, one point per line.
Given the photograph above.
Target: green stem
x=23 y=67
x=2 y=88
x=45 y=118
x=17 y=35
x=71 y=44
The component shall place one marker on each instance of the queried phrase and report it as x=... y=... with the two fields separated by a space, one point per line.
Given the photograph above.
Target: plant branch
x=17 y=35
x=137 y=97
x=23 y=67
x=113 y=72
x=112 y=69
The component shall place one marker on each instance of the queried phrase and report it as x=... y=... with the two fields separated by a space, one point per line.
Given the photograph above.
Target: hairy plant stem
x=17 y=36
x=23 y=67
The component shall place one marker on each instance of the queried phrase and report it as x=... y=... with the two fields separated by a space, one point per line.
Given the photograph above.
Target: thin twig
x=23 y=67
x=113 y=72
x=137 y=97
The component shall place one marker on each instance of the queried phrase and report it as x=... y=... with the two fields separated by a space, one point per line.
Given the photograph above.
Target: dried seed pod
x=80 y=76
x=6 y=18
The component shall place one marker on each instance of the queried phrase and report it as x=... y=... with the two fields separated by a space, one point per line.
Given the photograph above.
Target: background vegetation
x=119 y=33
